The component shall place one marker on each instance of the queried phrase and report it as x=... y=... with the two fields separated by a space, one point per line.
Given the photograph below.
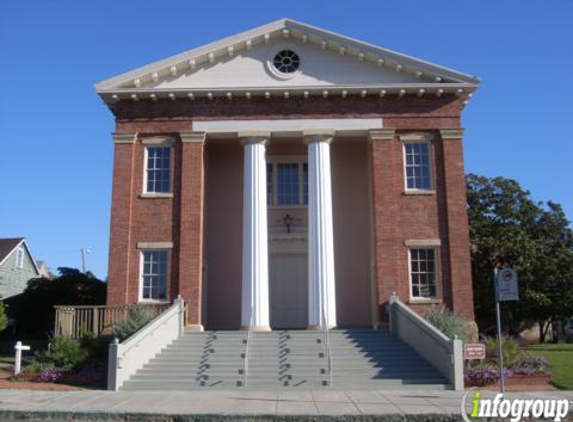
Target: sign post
x=506 y=289
x=18 y=361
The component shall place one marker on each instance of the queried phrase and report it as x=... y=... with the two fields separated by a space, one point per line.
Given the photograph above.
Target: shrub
x=510 y=350
x=36 y=366
x=484 y=376
x=137 y=319
x=530 y=365
x=447 y=322
x=64 y=353
x=95 y=347
x=3 y=316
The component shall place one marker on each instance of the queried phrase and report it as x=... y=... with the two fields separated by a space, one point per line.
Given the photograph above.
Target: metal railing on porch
x=74 y=321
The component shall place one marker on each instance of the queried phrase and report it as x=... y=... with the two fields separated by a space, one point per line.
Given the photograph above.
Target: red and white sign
x=474 y=351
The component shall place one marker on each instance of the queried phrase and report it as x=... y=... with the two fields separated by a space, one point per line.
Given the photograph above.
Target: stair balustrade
x=127 y=357
x=443 y=353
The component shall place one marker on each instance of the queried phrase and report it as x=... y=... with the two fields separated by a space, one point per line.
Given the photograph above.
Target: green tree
x=34 y=308
x=508 y=228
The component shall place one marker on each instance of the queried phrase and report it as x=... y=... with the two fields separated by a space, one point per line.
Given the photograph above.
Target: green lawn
x=560 y=357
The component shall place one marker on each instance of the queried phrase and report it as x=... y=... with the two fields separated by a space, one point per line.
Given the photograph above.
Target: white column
x=322 y=296
x=255 y=291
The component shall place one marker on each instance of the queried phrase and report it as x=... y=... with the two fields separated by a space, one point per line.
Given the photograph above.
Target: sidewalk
x=102 y=405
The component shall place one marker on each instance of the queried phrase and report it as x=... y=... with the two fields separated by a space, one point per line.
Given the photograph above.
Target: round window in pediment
x=286 y=61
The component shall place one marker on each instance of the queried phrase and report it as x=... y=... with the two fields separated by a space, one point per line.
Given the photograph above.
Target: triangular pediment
x=245 y=64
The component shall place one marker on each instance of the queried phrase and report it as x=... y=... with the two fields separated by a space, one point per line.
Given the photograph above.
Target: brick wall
x=397 y=217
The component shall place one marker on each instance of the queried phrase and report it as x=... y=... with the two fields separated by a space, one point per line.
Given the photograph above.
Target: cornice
x=394 y=90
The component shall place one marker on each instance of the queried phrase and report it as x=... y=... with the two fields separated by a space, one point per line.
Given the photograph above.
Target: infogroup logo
x=514 y=409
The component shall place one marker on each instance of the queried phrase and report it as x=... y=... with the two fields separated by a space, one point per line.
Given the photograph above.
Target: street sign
x=474 y=351
x=507 y=285
x=506 y=289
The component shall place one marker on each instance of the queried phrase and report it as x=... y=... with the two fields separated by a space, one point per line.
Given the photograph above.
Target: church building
x=289 y=177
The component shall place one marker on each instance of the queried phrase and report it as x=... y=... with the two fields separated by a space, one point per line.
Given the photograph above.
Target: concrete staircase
x=361 y=359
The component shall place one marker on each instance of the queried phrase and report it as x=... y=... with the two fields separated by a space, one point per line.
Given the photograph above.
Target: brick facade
x=397 y=217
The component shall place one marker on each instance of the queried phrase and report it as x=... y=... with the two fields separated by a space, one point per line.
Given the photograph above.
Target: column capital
x=124 y=137
x=190 y=136
x=318 y=135
x=452 y=133
x=254 y=136
x=381 y=134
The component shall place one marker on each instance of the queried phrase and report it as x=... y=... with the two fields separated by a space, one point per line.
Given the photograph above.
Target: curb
x=156 y=417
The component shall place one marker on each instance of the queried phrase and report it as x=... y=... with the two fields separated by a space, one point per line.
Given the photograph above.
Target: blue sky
x=55 y=139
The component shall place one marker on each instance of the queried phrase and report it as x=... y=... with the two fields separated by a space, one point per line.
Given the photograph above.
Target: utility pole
x=84 y=251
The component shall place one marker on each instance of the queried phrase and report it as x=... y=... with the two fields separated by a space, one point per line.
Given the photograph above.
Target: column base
x=319 y=327
x=257 y=328
x=194 y=328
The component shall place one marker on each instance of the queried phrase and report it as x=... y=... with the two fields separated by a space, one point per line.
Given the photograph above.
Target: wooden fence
x=75 y=321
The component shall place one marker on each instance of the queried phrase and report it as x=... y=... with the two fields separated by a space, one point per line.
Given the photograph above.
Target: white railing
x=127 y=357
x=442 y=352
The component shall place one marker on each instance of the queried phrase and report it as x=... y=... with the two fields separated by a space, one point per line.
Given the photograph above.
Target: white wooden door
x=288 y=290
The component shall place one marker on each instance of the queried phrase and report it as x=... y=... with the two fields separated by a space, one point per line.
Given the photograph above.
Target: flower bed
x=527 y=370
x=89 y=376
x=480 y=377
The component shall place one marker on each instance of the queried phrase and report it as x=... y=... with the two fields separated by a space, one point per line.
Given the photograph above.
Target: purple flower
x=530 y=365
x=484 y=376
x=49 y=375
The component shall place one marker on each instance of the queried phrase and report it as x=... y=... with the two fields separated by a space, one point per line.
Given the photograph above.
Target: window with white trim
x=423 y=273
x=158 y=169
x=154 y=274
x=20 y=258
x=287 y=183
x=417 y=165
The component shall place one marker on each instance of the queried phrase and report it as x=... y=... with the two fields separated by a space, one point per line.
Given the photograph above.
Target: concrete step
x=362 y=359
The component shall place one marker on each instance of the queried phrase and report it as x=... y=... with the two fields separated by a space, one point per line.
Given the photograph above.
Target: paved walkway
x=237 y=402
